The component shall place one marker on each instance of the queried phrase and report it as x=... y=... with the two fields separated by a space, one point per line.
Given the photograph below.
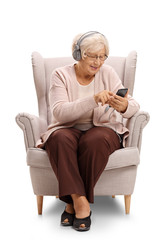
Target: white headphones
x=77 y=51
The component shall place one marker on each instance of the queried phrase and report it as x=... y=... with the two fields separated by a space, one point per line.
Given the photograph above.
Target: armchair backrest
x=43 y=67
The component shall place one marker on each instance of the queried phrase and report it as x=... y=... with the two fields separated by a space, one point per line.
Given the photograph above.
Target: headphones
x=77 y=51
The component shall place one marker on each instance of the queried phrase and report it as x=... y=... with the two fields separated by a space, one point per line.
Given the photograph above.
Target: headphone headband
x=85 y=35
x=77 y=51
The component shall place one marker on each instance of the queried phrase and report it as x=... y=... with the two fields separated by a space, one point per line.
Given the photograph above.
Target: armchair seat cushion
x=124 y=157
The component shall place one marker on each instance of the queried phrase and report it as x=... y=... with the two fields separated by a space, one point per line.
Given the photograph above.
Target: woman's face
x=93 y=62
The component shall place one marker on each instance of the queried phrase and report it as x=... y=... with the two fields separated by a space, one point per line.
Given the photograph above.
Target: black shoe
x=78 y=221
x=69 y=216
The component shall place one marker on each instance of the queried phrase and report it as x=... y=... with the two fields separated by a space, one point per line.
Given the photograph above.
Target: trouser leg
x=62 y=148
x=95 y=146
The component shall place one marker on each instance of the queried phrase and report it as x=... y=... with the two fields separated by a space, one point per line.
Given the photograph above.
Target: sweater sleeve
x=63 y=109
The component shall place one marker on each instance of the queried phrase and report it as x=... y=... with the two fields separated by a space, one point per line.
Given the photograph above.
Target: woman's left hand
x=120 y=104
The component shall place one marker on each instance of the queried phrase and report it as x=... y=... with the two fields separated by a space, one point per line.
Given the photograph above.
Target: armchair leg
x=127 y=199
x=39 y=204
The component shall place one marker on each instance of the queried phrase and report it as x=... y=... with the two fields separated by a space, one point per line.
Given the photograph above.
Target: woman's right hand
x=102 y=97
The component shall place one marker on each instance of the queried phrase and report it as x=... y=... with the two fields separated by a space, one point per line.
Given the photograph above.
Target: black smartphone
x=122 y=92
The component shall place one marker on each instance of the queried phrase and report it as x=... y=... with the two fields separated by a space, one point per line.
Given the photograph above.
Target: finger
x=102 y=100
x=118 y=98
x=115 y=106
x=114 y=100
x=111 y=93
x=127 y=94
x=105 y=98
x=121 y=99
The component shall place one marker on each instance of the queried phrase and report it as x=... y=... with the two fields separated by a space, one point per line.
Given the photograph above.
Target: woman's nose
x=97 y=60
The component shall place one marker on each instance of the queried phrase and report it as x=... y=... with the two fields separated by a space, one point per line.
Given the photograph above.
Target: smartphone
x=122 y=92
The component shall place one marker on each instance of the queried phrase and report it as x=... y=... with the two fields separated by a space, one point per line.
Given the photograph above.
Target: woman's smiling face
x=93 y=61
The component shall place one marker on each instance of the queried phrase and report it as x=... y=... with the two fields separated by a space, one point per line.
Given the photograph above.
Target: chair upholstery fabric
x=119 y=175
x=120 y=158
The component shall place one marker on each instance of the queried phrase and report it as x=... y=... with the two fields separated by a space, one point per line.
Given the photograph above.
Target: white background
x=49 y=27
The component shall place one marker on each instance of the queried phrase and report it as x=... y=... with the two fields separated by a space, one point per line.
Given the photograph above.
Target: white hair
x=92 y=43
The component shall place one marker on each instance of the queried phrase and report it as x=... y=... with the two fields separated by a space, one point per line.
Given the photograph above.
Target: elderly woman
x=85 y=129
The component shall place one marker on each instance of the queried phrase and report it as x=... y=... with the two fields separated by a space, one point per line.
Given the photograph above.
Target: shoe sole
x=82 y=229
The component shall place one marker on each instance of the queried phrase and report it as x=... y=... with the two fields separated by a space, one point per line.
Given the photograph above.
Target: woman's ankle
x=81 y=206
x=70 y=208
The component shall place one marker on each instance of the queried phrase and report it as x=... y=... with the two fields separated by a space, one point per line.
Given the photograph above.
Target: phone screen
x=122 y=92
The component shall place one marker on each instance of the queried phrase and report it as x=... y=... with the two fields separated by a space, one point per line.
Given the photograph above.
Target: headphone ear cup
x=77 y=53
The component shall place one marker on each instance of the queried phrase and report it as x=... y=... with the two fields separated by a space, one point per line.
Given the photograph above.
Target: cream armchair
x=118 y=178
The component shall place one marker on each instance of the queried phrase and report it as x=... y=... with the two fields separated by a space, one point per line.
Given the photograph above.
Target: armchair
x=118 y=177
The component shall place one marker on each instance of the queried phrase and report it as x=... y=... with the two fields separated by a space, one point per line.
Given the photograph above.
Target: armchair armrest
x=135 y=126
x=32 y=127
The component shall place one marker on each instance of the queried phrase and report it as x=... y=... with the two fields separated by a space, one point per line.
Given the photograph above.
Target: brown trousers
x=79 y=157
